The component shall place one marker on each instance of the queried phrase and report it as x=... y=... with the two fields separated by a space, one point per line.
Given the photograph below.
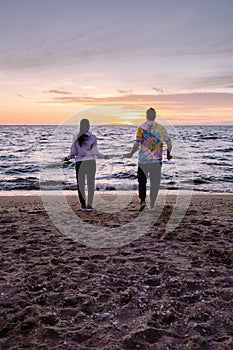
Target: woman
x=84 y=150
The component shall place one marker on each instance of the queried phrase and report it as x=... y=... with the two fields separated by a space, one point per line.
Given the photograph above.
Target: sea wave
x=34 y=150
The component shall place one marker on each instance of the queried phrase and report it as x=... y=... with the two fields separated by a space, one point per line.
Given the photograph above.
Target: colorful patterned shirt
x=151 y=136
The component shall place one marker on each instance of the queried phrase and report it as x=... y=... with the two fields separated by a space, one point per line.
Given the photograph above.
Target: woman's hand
x=64 y=159
x=107 y=156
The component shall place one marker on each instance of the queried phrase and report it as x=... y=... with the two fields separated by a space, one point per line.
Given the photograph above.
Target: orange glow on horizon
x=179 y=111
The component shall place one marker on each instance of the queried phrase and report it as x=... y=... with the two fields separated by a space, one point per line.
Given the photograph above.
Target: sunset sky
x=58 y=57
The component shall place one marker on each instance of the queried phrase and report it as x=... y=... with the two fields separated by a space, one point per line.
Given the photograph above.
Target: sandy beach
x=160 y=291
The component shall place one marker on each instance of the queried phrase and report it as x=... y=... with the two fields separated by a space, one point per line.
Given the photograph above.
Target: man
x=150 y=138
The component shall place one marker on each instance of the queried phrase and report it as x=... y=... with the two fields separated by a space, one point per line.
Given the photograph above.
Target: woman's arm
x=95 y=151
x=73 y=152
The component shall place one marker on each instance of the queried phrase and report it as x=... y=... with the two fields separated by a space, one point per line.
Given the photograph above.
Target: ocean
x=30 y=159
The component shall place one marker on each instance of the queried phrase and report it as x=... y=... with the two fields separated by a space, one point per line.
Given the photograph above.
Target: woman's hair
x=84 y=127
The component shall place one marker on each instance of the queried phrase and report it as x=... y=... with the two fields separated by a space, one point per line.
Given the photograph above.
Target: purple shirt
x=88 y=151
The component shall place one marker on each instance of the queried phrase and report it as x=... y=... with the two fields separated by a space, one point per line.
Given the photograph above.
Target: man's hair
x=151 y=114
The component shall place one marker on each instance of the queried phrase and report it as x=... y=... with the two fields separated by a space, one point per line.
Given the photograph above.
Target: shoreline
x=38 y=193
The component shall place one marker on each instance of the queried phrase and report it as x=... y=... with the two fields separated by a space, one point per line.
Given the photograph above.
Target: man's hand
x=169 y=156
x=133 y=150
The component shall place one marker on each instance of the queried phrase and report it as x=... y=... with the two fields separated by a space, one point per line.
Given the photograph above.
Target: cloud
x=161 y=91
x=127 y=92
x=218 y=80
x=170 y=101
x=46 y=54
x=58 y=92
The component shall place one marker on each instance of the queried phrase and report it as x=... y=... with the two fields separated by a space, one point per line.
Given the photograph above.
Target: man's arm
x=169 y=148
x=139 y=139
x=133 y=150
x=169 y=145
x=169 y=156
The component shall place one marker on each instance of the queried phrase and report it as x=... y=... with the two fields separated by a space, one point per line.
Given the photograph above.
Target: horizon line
x=107 y=124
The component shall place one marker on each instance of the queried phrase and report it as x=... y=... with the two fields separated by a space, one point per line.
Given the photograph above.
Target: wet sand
x=161 y=291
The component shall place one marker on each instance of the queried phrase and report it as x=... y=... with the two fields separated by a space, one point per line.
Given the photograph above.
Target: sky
x=60 y=57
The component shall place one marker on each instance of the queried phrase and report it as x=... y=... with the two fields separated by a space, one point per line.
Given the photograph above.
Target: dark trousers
x=153 y=170
x=86 y=169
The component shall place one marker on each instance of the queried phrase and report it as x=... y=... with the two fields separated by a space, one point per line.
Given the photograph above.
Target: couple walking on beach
x=150 y=138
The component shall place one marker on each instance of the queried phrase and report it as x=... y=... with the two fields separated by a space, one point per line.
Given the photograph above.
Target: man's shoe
x=142 y=206
x=83 y=208
x=90 y=208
